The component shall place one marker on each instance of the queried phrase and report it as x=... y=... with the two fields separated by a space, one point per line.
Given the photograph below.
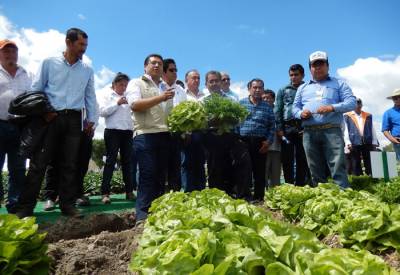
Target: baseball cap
x=6 y=42
x=318 y=55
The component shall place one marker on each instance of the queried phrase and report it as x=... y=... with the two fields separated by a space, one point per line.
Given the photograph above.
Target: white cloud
x=240 y=89
x=81 y=16
x=251 y=29
x=373 y=79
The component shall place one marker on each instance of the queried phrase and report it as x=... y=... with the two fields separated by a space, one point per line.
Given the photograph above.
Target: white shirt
x=192 y=97
x=116 y=116
x=11 y=87
x=180 y=94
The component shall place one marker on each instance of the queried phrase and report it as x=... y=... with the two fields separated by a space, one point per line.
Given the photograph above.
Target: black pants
x=117 y=140
x=229 y=164
x=62 y=139
x=174 y=176
x=361 y=151
x=52 y=173
x=258 y=165
x=293 y=151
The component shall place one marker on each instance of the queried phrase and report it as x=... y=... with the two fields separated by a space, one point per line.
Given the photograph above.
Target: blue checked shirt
x=260 y=122
x=67 y=86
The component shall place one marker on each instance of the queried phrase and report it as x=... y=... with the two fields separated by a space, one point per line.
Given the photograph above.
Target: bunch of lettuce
x=187 y=116
x=224 y=113
x=208 y=232
x=361 y=219
x=22 y=249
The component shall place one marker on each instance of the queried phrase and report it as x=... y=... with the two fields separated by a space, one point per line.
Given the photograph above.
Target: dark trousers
x=117 y=140
x=62 y=139
x=50 y=191
x=193 y=172
x=229 y=164
x=258 y=165
x=174 y=177
x=361 y=151
x=292 y=153
x=152 y=155
x=9 y=145
x=134 y=168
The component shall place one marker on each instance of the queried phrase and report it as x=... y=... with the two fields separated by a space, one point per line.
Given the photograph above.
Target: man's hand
x=48 y=117
x=264 y=147
x=349 y=147
x=306 y=114
x=325 y=109
x=122 y=100
x=89 y=129
x=279 y=134
x=168 y=94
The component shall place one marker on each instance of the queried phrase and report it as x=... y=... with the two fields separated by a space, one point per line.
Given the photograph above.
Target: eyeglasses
x=173 y=70
x=396 y=97
x=156 y=63
x=226 y=79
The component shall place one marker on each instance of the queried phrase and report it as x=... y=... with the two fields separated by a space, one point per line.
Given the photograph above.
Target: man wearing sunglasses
x=225 y=86
x=391 y=123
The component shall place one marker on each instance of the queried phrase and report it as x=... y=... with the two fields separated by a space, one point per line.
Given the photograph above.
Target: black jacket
x=30 y=108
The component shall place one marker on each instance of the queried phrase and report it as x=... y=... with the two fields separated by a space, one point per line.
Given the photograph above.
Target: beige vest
x=154 y=119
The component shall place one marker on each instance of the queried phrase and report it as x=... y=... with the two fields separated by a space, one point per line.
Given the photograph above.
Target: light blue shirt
x=67 y=86
x=314 y=94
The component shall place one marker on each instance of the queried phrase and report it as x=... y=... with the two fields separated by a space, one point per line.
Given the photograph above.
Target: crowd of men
x=308 y=128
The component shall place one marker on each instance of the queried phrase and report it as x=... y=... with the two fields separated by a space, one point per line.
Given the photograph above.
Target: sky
x=248 y=39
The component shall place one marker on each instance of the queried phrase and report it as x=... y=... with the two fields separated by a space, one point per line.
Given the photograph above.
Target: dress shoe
x=130 y=196
x=83 y=201
x=24 y=213
x=49 y=205
x=71 y=211
x=106 y=199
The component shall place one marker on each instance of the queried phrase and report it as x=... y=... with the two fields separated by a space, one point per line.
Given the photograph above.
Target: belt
x=321 y=126
x=68 y=112
x=293 y=122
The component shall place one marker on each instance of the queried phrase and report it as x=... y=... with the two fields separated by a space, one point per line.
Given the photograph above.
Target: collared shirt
x=180 y=94
x=133 y=93
x=260 y=122
x=360 y=127
x=283 y=105
x=11 y=87
x=67 y=86
x=116 y=116
x=314 y=94
x=232 y=94
x=391 y=121
x=193 y=97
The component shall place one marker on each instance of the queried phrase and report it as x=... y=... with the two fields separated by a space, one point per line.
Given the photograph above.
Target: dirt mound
x=74 y=228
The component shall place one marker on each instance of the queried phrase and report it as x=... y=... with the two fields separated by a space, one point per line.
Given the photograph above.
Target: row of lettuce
x=208 y=232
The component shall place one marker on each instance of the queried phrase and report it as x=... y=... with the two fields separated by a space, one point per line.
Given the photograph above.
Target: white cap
x=318 y=55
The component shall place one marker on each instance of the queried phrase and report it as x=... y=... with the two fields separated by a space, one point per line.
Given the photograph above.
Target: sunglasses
x=396 y=97
x=226 y=79
x=173 y=70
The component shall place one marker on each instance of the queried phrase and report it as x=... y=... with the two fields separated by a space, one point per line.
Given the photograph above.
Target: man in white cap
x=391 y=123
x=14 y=80
x=320 y=104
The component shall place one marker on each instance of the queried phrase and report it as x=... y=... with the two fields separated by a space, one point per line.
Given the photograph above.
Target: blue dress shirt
x=314 y=94
x=391 y=121
x=67 y=86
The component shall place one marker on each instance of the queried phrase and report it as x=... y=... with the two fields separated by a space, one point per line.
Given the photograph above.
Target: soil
x=97 y=244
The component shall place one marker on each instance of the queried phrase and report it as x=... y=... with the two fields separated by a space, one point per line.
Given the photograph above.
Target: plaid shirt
x=260 y=122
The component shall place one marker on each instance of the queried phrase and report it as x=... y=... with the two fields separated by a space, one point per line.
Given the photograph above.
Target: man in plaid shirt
x=257 y=131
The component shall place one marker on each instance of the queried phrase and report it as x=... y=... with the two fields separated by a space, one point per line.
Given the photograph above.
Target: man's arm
x=347 y=99
x=278 y=110
x=90 y=101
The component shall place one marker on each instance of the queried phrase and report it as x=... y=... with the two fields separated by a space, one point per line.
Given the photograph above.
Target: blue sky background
x=246 y=38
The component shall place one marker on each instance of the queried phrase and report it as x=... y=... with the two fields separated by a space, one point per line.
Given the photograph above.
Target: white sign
x=378 y=164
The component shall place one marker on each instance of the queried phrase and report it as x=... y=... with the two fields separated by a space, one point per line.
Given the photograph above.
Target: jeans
x=152 y=155
x=396 y=148
x=193 y=160
x=117 y=140
x=61 y=143
x=273 y=168
x=134 y=168
x=9 y=145
x=325 y=147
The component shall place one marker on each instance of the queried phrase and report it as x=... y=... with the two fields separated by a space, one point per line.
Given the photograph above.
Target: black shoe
x=71 y=211
x=24 y=213
x=83 y=201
